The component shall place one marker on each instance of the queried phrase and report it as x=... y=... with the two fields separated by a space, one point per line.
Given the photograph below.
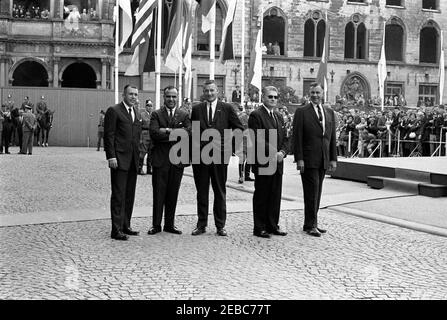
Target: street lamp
x=236 y=70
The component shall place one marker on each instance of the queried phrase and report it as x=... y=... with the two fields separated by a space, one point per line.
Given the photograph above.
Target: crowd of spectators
x=31 y=12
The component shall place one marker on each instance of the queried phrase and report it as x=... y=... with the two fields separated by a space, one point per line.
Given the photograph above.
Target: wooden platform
x=421 y=175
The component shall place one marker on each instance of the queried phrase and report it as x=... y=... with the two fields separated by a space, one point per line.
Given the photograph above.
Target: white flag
x=381 y=71
x=441 y=70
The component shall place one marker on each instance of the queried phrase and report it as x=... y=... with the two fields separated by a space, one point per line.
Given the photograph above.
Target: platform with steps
x=425 y=176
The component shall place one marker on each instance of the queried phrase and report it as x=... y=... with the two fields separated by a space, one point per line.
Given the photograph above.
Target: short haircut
x=170 y=87
x=316 y=84
x=127 y=86
x=269 y=88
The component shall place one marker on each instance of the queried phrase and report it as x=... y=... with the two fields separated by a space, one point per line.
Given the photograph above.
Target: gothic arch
x=277 y=12
x=429 y=42
x=29 y=59
x=393 y=25
x=355 y=84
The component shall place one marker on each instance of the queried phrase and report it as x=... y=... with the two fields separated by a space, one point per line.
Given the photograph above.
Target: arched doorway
x=79 y=75
x=355 y=88
x=30 y=74
x=274 y=31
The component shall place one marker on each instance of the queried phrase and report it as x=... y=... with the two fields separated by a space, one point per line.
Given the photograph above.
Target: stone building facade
x=62 y=50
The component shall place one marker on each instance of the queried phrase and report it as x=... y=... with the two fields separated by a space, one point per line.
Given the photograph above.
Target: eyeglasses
x=171 y=96
x=272 y=97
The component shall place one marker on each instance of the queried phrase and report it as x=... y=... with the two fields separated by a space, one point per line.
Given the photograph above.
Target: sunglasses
x=272 y=97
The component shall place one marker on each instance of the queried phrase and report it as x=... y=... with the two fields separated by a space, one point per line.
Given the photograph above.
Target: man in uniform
x=5 y=136
x=41 y=107
x=100 y=129
x=29 y=125
x=145 y=140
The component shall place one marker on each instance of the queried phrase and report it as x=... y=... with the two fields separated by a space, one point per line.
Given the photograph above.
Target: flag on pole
x=143 y=39
x=322 y=69
x=208 y=8
x=226 y=45
x=124 y=23
x=381 y=70
x=174 y=42
x=187 y=45
x=441 y=70
x=256 y=62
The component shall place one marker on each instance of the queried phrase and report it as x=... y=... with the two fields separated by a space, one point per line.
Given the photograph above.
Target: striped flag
x=256 y=63
x=322 y=69
x=208 y=8
x=226 y=46
x=441 y=69
x=381 y=70
x=143 y=39
x=174 y=42
x=124 y=23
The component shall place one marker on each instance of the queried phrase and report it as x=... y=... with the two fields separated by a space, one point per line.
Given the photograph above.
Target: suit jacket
x=29 y=122
x=224 y=118
x=161 y=143
x=122 y=136
x=309 y=143
x=260 y=120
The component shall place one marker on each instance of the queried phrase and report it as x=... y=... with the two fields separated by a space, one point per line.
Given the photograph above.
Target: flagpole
x=180 y=71
x=260 y=43
x=243 y=55
x=212 y=41
x=441 y=70
x=158 y=61
x=116 y=52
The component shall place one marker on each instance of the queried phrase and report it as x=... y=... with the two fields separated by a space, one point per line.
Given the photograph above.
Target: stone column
x=104 y=73
x=112 y=74
x=51 y=8
x=2 y=72
x=56 y=61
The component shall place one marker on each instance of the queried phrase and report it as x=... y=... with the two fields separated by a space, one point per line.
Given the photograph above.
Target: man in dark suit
x=166 y=175
x=122 y=129
x=212 y=114
x=268 y=167
x=315 y=151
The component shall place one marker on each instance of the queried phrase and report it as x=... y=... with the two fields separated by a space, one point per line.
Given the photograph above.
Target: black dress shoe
x=172 y=230
x=319 y=230
x=120 y=236
x=154 y=230
x=249 y=179
x=279 y=232
x=313 y=232
x=241 y=180
x=198 y=231
x=262 y=234
x=222 y=232
x=130 y=232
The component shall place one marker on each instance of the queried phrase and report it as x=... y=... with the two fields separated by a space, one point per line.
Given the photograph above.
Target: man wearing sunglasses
x=315 y=151
x=268 y=183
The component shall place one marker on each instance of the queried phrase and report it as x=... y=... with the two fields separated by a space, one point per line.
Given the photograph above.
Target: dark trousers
x=217 y=173
x=166 y=182
x=123 y=196
x=6 y=137
x=267 y=202
x=27 y=143
x=100 y=137
x=312 y=180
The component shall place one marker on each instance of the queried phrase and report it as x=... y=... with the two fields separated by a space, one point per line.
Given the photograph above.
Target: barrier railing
x=400 y=146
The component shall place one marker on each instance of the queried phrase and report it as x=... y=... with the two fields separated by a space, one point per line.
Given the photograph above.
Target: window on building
x=26 y=9
x=355 y=40
x=394 y=3
x=428 y=93
x=393 y=89
x=314 y=32
x=428 y=50
x=430 y=4
x=87 y=9
x=203 y=39
x=273 y=34
x=394 y=42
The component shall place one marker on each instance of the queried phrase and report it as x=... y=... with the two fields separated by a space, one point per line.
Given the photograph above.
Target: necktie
x=130 y=113
x=274 y=119
x=320 y=116
x=210 y=114
x=170 y=114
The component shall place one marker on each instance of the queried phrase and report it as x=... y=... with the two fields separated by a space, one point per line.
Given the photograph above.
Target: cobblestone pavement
x=356 y=259
x=71 y=178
